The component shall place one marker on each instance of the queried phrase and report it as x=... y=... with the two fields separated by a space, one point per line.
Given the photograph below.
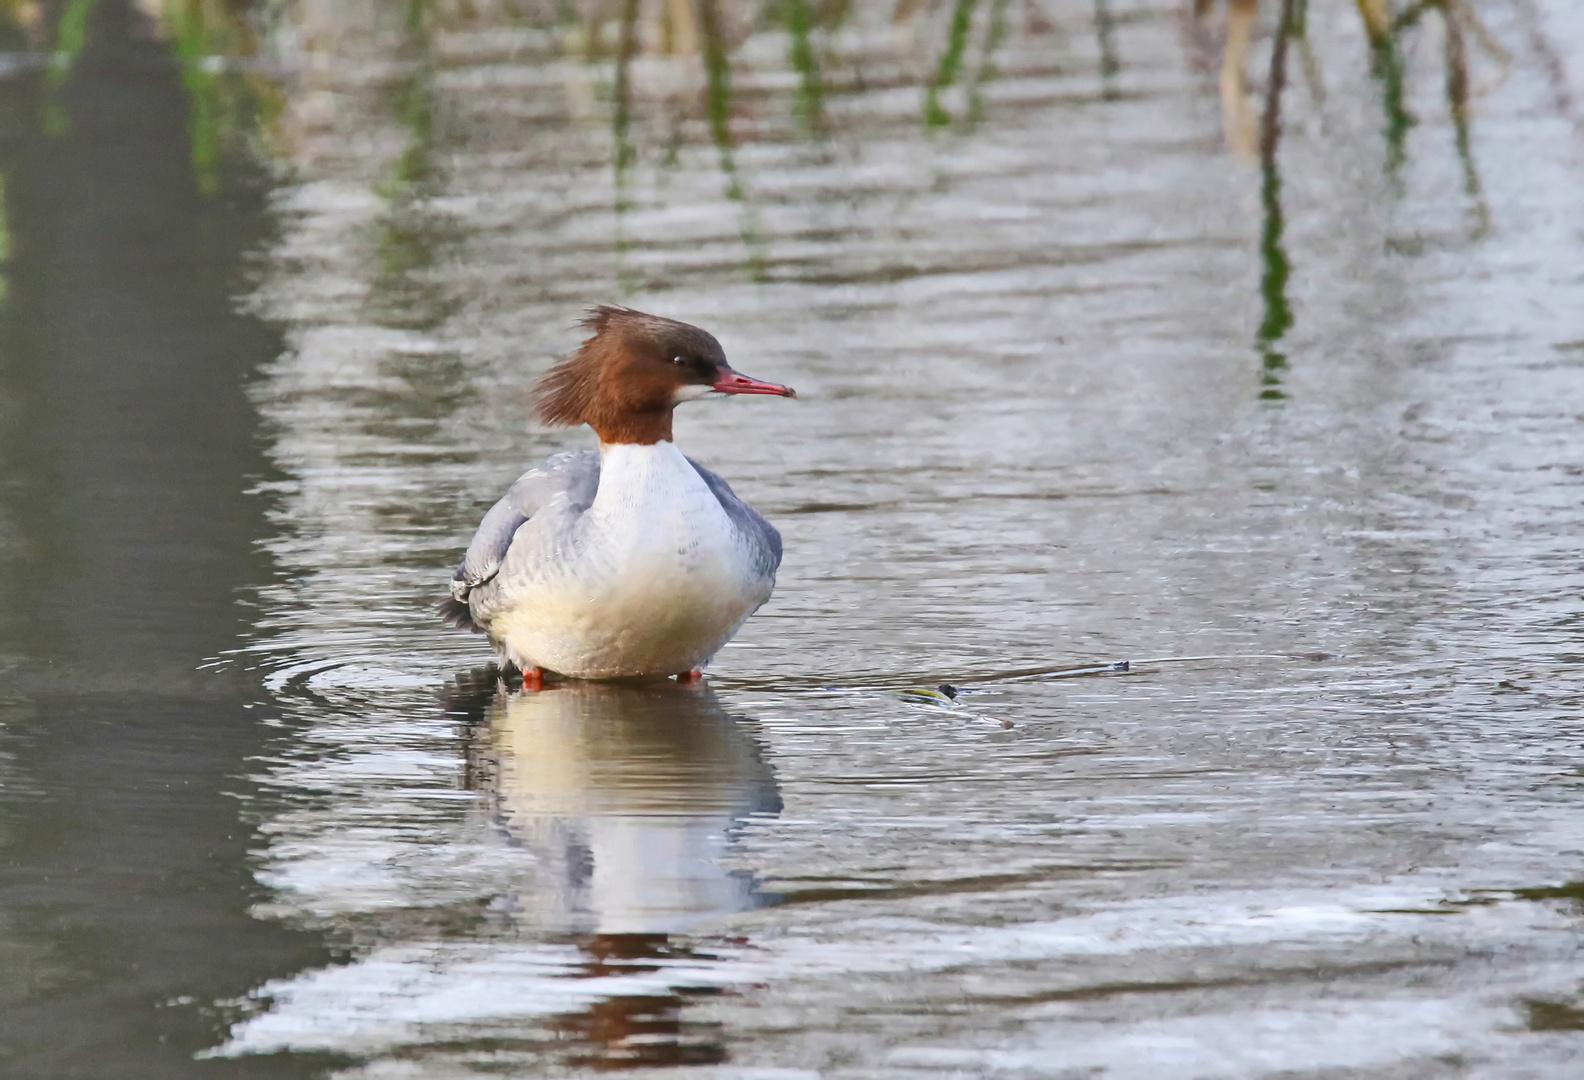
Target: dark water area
x=130 y=540
x=1246 y=348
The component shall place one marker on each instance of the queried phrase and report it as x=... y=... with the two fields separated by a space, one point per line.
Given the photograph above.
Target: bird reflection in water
x=628 y=797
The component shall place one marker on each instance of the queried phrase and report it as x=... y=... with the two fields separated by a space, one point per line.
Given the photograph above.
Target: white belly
x=652 y=580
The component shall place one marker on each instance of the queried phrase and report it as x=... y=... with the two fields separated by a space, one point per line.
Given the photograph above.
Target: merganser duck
x=632 y=561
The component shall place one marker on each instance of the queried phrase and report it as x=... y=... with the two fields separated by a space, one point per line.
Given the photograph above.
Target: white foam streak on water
x=466 y=991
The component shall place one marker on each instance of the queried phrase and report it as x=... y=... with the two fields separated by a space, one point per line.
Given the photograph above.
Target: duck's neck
x=638 y=481
x=624 y=461
x=644 y=428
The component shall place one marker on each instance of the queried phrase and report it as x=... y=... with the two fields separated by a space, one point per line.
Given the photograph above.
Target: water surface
x=1085 y=375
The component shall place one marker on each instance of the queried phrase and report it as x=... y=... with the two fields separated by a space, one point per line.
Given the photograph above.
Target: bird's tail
x=457 y=613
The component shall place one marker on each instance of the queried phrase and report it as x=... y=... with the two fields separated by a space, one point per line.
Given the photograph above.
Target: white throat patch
x=690 y=392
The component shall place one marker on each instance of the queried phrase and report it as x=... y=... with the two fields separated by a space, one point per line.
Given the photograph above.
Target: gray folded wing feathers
x=747 y=519
x=574 y=473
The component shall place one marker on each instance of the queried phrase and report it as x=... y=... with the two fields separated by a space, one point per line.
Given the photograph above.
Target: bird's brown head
x=625 y=379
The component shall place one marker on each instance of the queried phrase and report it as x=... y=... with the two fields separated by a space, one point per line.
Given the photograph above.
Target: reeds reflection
x=736 y=76
x=1384 y=28
x=1273 y=282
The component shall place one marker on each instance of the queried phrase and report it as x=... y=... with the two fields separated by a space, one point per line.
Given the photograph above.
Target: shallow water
x=1078 y=383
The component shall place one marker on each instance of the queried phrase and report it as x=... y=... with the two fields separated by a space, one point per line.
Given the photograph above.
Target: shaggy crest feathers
x=595 y=385
x=596 y=318
x=562 y=392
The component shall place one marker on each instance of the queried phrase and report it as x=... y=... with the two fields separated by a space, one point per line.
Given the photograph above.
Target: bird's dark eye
x=679 y=361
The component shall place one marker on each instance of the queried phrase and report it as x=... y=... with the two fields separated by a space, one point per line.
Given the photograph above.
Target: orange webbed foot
x=694 y=676
x=533 y=679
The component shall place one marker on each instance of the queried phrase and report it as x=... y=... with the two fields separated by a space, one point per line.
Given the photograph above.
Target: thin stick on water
x=1119 y=667
x=946 y=695
x=932 y=682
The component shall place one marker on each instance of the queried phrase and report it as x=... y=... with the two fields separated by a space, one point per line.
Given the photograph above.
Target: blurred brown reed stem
x=1457 y=85
x=1457 y=80
x=682 y=27
x=1237 y=116
x=1270 y=122
x=1377 y=20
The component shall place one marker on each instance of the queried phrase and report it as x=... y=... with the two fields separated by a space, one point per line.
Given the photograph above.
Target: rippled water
x=1081 y=380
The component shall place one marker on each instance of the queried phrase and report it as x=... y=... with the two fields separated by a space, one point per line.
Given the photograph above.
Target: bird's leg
x=694 y=676
x=533 y=678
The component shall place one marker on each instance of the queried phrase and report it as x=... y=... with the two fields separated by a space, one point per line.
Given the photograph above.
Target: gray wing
x=574 y=473
x=762 y=534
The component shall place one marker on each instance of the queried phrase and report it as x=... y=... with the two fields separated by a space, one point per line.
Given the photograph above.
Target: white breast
x=652 y=579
